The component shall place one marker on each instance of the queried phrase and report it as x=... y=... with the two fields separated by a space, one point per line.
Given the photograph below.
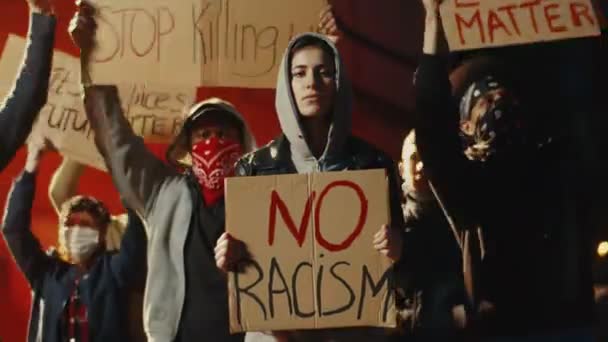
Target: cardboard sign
x=473 y=24
x=232 y=43
x=313 y=263
x=155 y=112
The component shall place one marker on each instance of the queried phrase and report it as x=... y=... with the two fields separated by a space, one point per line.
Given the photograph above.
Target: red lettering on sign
x=358 y=228
x=460 y=4
x=530 y=6
x=299 y=233
x=552 y=17
x=577 y=10
x=494 y=23
x=509 y=9
x=476 y=19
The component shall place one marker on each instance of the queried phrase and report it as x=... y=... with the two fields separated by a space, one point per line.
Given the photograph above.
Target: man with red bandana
x=186 y=294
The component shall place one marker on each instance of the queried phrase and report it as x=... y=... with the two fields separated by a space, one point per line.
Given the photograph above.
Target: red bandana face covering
x=213 y=160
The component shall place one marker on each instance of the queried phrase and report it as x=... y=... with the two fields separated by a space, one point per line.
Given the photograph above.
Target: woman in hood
x=313 y=102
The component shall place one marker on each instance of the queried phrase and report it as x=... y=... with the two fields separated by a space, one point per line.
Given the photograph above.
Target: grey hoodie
x=159 y=195
x=289 y=117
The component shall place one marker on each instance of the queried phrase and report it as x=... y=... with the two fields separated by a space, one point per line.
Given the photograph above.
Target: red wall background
x=381 y=44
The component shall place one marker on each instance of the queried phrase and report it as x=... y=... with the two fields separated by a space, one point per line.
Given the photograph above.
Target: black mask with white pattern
x=497 y=129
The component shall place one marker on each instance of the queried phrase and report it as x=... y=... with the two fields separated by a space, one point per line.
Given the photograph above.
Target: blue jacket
x=29 y=94
x=104 y=290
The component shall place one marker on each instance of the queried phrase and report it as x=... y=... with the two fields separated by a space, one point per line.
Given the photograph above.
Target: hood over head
x=289 y=116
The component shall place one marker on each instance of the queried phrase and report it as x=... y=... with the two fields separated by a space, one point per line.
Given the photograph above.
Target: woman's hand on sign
x=328 y=25
x=41 y=6
x=229 y=252
x=388 y=242
x=83 y=26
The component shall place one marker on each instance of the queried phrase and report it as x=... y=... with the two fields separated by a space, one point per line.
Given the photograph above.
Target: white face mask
x=79 y=242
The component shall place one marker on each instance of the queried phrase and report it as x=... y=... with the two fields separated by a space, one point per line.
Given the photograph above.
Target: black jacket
x=17 y=114
x=532 y=207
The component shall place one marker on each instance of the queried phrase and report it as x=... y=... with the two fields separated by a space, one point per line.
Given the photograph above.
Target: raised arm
x=64 y=184
x=21 y=242
x=437 y=124
x=136 y=172
x=130 y=261
x=29 y=92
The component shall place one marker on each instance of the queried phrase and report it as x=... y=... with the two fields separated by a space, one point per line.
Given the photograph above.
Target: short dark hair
x=87 y=204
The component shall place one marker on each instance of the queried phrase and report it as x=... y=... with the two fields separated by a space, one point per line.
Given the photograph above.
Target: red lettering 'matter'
x=530 y=6
x=509 y=9
x=579 y=10
x=552 y=17
x=475 y=20
x=495 y=23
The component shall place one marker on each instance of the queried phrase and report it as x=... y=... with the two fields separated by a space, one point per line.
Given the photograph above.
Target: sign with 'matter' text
x=474 y=24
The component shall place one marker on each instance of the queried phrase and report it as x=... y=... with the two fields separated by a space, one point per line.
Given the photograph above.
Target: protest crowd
x=487 y=226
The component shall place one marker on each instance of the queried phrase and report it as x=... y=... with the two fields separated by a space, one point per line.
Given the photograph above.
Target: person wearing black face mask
x=490 y=119
x=522 y=219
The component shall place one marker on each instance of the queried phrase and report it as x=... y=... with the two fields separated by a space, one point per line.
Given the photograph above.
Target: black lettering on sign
x=351 y=293
x=241 y=43
x=294 y=286
x=139 y=33
x=275 y=269
x=246 y=291
x=366 y=278
x=63 y=82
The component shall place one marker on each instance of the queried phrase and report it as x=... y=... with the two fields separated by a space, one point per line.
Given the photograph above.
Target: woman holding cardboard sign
x=313 y=101
x=29 y=93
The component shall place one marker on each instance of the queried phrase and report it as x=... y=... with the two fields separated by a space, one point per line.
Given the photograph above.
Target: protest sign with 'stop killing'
x=474 y=24
x=155 y=112
x=312 y=262
x=233 y=43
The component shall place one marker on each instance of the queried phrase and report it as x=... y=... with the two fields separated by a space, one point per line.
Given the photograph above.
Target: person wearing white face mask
x=63 y=188
x=79 y=290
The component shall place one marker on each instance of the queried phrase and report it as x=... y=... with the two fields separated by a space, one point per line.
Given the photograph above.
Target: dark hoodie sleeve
x=437 y=125
x=24 y=246
x=131 y=259
x=29 y=94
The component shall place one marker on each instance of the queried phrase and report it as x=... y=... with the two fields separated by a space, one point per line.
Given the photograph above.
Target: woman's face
x=313 y=81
